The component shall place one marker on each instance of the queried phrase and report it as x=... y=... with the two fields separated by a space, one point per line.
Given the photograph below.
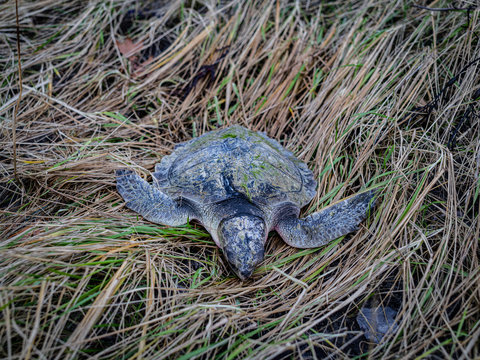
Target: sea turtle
x=240 y=184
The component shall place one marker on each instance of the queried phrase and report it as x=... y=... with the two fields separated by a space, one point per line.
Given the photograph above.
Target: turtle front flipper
x=327 y=224
x=150 y=202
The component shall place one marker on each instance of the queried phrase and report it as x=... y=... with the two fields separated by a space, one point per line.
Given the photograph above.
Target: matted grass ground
x=368 y=93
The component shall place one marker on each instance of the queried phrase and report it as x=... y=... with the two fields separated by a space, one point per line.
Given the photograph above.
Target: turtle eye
x=229 y=254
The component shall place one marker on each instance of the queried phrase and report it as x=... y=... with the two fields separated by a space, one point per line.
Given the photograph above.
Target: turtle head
x=242 y=238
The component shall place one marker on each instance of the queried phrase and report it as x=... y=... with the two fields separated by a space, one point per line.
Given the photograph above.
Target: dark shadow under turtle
x=240 y=184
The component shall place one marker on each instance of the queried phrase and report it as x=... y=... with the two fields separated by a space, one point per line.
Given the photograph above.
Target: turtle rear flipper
x=327 y=224
x=149 y=201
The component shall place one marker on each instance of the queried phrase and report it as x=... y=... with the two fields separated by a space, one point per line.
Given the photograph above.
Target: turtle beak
x=245 y=273
x=243 y=267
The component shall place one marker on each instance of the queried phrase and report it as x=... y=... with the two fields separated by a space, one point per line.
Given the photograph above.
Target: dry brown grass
x=84 y=277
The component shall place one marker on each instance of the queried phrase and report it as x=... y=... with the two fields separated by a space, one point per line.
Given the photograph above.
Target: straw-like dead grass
x=347 y=87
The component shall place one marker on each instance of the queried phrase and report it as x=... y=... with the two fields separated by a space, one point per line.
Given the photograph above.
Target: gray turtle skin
x=240 y=185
